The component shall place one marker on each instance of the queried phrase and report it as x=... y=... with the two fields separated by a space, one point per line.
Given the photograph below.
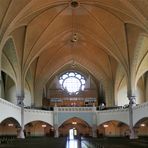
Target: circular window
x=72 y=82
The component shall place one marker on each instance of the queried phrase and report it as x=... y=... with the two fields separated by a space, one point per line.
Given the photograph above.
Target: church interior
x=73 y=67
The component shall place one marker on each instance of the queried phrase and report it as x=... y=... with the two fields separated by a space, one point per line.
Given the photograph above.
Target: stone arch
x=141 y=121
x=81 y=127
x=17 y=118
x=35 y=120
x=13 y=119
x=113 y=128
x=75 y=119
x=87 y=117
x=38 y=128
x=141 y=127
x=9 y=126
x=116 y=120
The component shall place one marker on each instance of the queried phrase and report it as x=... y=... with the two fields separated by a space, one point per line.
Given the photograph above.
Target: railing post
x=55 y=121
x=1 y=83
x=131 y=105
x=21 y=104
x=94 y=126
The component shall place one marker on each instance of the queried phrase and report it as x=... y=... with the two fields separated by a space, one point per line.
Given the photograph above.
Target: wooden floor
x=114 y=143
x=36 y=143
x=83 y=143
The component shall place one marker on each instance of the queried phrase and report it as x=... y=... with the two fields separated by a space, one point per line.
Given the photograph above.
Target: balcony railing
x=75 y=109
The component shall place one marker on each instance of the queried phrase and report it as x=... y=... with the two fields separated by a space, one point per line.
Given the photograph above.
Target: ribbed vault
x=111 y=41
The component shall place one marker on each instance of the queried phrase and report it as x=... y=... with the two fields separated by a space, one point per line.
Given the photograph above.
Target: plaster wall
x=9 y=110
x=11 y=96
x=41 y=115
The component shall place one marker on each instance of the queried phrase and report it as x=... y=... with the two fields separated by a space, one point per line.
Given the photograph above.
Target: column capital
x=131 y=97
x=132 y=100
x=20 y=100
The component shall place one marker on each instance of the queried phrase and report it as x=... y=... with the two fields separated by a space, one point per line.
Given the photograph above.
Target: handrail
x=75 y=109
x=9 y=103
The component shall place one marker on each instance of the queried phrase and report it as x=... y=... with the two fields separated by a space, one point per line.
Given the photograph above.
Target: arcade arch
x=82 y=128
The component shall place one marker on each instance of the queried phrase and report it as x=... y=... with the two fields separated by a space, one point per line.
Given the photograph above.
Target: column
x=146 y=87
x=55 y=122
x=0 y=85
x=20 y=103
x=94 y=126
x=0 y=81
x=131 y=104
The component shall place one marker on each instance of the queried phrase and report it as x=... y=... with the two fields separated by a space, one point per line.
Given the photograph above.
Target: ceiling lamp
x=74 y=123
x=142 y=125
x=74 y=38
x=10 y=124
x=44 y=125
x=105 y=125
x=74 y=3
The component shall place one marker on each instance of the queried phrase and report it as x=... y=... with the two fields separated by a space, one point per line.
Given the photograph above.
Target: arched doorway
x=9 y=127
x=141 y=127
x=113 y=129
x=39 y=128
x=76 y=127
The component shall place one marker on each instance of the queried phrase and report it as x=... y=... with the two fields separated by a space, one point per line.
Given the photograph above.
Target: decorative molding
x=75 y=109
x=113 y=110
x=37 y=111
x=143 y=105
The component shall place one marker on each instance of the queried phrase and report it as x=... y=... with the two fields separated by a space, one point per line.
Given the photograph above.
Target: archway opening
x=113 y=129
x=141 y=127
x=38 y=129
x=9 y=127
x=74 y=128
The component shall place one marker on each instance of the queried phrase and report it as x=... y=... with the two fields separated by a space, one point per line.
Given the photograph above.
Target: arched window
x=72 y=82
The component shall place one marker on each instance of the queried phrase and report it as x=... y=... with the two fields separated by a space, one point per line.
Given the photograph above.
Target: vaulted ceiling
x=105 y=37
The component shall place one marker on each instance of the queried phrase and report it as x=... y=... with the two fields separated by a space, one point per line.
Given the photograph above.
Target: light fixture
x=105 y=125
x=142 y=125
x=44 y=125
x=10 y=124
x=74 y=123
x=74 y=38
x=74 y=3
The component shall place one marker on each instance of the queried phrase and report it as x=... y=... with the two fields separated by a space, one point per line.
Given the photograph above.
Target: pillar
x=0 y=81
x=131 y=105
x=94 y=126
x=55 y=122
x=146 y=87
x=0 y=85
x=20 y=103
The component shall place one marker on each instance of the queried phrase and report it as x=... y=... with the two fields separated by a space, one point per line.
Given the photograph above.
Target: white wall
x=122 y=94
x=9 y=110
x=121 y=115
x=140 y=90
x=139 y=112
x=11 y=96
x=38 y=115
